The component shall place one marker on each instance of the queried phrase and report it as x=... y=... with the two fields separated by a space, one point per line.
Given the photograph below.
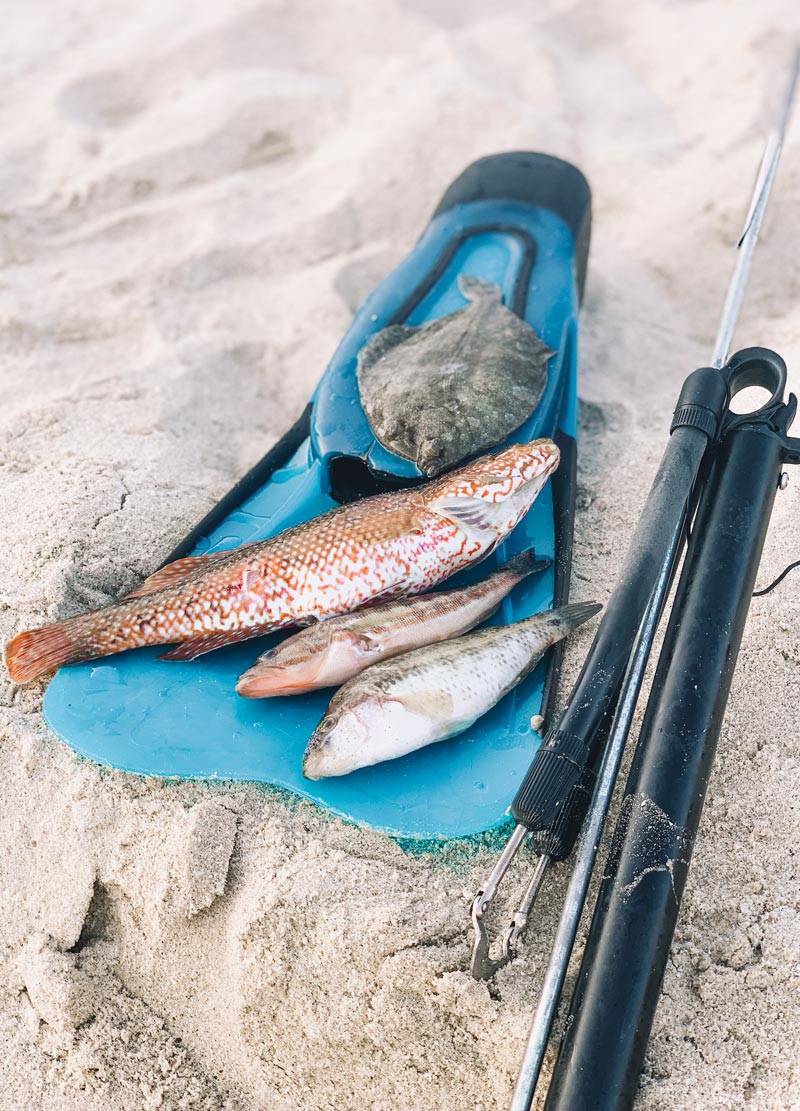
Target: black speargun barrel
x=612 y=1008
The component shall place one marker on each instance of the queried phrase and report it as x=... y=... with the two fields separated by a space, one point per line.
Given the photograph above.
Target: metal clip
x=483 y=965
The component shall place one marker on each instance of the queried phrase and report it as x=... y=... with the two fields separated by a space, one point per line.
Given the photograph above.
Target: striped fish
x=431 y=694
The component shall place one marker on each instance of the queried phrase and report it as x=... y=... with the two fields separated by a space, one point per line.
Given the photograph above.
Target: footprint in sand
x=103 y=100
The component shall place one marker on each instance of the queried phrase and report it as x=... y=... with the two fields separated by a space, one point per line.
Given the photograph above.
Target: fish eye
x=433 y=447
x=327 y=725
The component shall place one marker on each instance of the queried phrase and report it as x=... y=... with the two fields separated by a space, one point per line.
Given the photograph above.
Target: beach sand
x=194 y=198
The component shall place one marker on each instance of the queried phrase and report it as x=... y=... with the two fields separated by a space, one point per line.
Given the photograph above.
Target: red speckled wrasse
x=392 y=544
x=331 y=652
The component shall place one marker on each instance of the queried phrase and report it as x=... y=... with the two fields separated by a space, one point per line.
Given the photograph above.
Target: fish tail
x=525 y=563
x=477 y=289
x=40 y=651
x=567 y=618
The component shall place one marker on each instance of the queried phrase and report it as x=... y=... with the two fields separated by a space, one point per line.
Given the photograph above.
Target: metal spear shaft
x=576 y=894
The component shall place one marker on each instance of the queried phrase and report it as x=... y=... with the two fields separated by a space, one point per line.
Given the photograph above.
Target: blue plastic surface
x=184 y=719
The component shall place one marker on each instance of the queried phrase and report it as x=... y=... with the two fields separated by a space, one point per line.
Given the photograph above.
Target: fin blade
x=371 y=528
x=40 y=651
x=436 y=705
x=571 y=616
x=171 y=574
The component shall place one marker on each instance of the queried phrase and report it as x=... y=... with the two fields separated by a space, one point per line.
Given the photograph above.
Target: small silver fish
x=433 y=693
x=331 y=652
x=455 y=386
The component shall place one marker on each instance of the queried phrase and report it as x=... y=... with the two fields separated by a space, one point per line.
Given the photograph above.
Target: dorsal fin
x=377 y=346
x=173 y=573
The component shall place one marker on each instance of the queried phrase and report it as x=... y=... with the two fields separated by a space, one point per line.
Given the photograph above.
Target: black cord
x=780 y=578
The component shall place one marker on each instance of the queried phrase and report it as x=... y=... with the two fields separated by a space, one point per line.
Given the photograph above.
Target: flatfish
x=456 y=386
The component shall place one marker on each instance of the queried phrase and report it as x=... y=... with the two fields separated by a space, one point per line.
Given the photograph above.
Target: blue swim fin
x=521 y=221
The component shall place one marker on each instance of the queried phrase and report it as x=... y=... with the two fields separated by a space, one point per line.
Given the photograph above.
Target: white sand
x=193 y=199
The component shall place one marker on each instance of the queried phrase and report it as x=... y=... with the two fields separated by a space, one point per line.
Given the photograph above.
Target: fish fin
x=40 y=651
x=476 y=289
x=378 y=345
x=525 y=563
x=472 y=515
x=198 y=646
x=436 y=704
x=171 y=574
x=567 y=618
x=367 y=645
x=370 y=528
x=545 y=353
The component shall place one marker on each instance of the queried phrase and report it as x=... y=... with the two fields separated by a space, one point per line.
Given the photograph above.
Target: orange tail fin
x=40 y=651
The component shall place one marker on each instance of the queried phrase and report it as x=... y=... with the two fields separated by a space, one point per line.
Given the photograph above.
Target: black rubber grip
x=558 y=841
x=695 y=416
x=702 y=402
x=554 y=795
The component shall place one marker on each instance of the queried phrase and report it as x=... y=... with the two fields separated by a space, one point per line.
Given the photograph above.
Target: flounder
x=456 y=386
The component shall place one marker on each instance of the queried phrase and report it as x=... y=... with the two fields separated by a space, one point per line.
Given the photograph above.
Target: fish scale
x=476 y=673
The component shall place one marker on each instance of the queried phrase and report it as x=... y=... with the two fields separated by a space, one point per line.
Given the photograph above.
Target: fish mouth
x=553 y=459
x=540 y=462
x=328 y=756
x=271 y=681
x=526 y=495
x=313 y=765
x=533 y=485
x=546 y=460
x=322 y=764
